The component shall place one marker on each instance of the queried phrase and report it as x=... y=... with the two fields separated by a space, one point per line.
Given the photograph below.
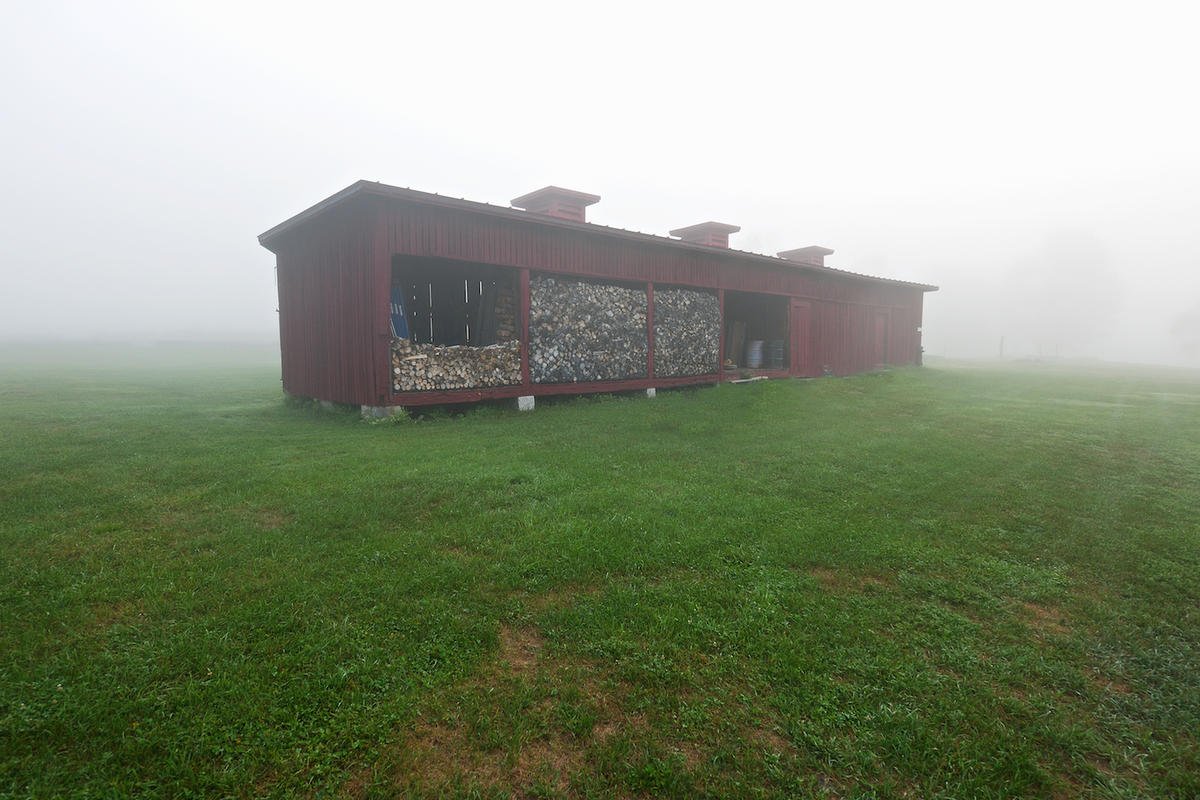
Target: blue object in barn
x=399 y=323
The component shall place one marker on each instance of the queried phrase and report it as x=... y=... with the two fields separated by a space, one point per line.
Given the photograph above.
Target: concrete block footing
x=651 y=392
x=525 y=403
x=381 y=412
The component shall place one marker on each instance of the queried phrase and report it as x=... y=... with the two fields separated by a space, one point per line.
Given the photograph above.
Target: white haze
x=1038 y=161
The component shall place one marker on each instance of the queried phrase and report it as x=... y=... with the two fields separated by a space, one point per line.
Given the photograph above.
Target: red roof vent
x=814 y=255
x=553 y=201
x=713 y=234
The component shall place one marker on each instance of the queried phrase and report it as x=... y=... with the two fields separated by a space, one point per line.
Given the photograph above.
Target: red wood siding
x=844 y=307
x=419 y=230
x=328 y=299
x=334 y=275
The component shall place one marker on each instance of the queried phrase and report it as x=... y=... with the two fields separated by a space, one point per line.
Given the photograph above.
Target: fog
x=1037 y=161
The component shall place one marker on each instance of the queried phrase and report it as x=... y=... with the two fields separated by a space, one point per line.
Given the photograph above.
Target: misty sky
x=1038 y=161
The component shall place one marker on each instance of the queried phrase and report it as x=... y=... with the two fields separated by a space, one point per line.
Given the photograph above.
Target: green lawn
x=939 y=582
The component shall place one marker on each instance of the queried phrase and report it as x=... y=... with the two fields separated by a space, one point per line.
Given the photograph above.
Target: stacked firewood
x=581 y=331
x=687 y=333
x=506 y=314
x=431 y=367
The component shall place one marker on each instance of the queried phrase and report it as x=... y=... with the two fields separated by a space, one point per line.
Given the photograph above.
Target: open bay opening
x=756 y=331
x=454 y=325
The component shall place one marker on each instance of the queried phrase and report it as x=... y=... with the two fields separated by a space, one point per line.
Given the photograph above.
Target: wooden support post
x=650 y=330
x=523 y=327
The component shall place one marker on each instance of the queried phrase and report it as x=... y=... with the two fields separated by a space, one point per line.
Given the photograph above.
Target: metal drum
x=775 y=350
x=754 y=354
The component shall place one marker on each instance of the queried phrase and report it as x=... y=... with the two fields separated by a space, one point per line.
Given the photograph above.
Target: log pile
x=581 y=331
x=506 y=313
x=431 y=367
x=687 y=333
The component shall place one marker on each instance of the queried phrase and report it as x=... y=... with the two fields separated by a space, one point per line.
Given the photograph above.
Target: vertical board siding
x=334 y=278
x=327 y=297
x=843 y=308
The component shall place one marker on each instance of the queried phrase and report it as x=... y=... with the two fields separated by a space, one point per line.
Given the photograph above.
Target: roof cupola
x=554 y=201
x=712 y=234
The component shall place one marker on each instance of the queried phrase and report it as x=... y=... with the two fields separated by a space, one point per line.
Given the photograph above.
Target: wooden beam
x=541 y=389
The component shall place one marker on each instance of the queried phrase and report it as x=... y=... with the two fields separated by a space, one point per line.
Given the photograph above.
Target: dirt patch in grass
x=1102 y=766
x=124 y=611
x=826 y=577
x=355 y=787
x=691 y=754
x=560 y=597
x=1045 y=619
x=609 y=728
x=770 y=739
x=529 y=749
x=1106 y=684
x=270 y=519
x=440 y=756
x=519 y=648
x=454 y=551
x=532 y=755
x=828 y=787
x=569 y=594
x=847 y=581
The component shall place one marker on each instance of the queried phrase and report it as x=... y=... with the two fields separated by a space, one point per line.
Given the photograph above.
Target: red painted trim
x=650 y=329
x=524 y=328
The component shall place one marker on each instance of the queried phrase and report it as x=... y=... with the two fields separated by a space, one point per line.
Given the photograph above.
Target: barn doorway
x=756 y=331
x=801 y=340
x=882 y=323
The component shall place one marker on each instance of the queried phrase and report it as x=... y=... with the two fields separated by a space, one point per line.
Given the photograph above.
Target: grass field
x=938 y=582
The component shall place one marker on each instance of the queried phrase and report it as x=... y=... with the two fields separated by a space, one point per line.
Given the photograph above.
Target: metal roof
x=376 y=189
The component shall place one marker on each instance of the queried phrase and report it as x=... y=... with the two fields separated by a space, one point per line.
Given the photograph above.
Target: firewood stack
x=431 y=367
x=506 y=314
x=687 y=333
x=581 y=331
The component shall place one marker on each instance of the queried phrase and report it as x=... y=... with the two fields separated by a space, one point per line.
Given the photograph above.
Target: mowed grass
x=937 y=582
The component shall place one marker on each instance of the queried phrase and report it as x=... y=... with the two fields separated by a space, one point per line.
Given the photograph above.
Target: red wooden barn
x=393 y=297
